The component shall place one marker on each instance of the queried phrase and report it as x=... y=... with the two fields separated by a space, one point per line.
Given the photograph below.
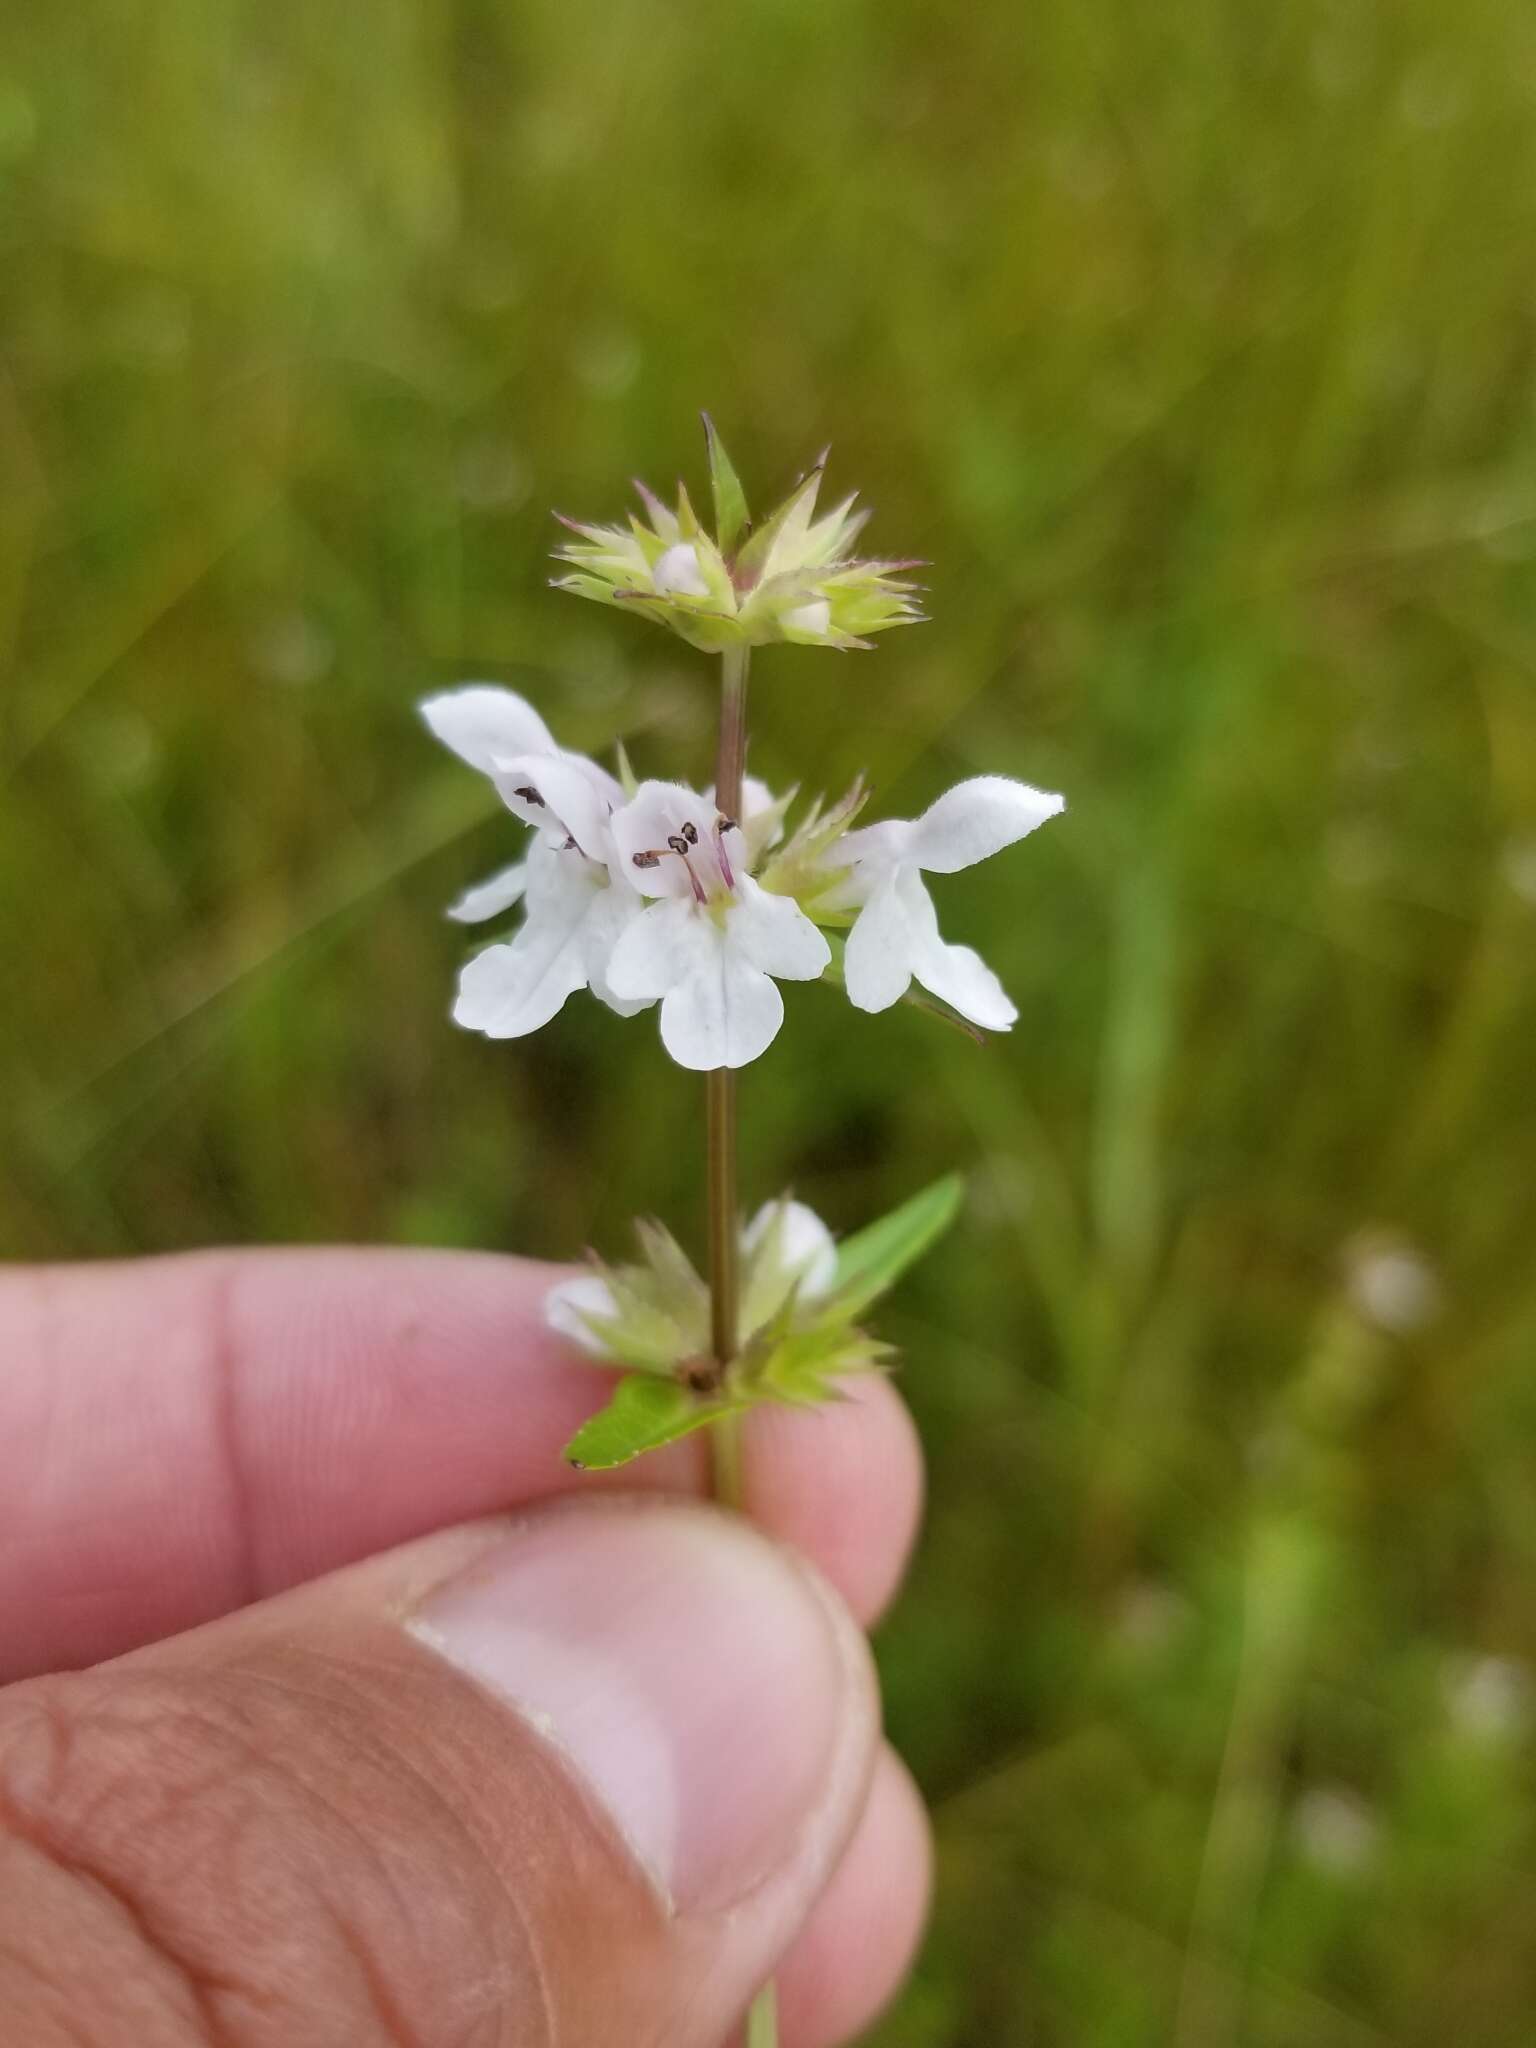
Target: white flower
x=711 y=943
x=895 y=938
x=786 y=1249
x=564 y=796
x=576 y=899
x=491 y=897
x=678 y=570
x=576 y=911
x=571 y=1306
x=814 y=619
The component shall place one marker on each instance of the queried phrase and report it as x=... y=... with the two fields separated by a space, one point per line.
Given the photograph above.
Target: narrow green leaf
x=643 y=1414
x=731 y=513
x=874 y=1258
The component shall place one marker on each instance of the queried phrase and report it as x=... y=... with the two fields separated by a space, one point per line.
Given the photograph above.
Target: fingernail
x=697 y=1679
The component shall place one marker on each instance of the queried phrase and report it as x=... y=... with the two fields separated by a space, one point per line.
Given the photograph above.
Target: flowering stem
x=724 y=1223
x=720 y=1085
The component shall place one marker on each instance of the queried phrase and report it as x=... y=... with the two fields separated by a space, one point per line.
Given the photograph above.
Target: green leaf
x=874 y=1258
x=643 y=1414
x=731 y=513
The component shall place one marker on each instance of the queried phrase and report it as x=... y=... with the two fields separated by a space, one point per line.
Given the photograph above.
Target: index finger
x=181 y=1436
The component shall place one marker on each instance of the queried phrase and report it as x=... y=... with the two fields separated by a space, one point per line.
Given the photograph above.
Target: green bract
x=801 y=1300
x=793 y=578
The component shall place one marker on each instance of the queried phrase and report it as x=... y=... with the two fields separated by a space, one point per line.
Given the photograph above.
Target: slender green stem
x=724 y=1222
x=720 y=1085
x=731 y=760
x=763 y=2019
x=720 y=1118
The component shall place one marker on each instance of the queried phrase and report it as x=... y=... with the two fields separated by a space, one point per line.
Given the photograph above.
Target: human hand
x=582 y=1774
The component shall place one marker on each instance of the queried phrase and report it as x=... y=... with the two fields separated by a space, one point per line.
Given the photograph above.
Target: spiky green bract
x=793 y=578
x=806 y=867
x=800 y=1315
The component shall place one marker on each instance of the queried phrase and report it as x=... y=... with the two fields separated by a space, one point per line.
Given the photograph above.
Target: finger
x=181 y=1436
x=507 y=1783
x=857 y=1948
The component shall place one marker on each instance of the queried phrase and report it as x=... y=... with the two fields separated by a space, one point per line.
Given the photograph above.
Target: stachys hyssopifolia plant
x=655 y=893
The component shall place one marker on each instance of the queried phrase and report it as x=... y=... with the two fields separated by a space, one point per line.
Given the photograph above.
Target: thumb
x=573 y=1778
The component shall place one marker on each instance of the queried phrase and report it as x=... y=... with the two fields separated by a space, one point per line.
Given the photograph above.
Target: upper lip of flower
x=670 y=842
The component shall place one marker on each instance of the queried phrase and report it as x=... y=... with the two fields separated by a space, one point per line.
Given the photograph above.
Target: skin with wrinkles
x=192 y=1880
x=294 y=1823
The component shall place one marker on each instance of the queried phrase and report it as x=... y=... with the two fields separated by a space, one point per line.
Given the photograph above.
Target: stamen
x=679 y=843
x=722 y=826
x=529 y=795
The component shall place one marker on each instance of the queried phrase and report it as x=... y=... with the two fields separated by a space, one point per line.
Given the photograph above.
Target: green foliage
x=798 y=1341
x=874 y=1258
x=643 y=1414
x=731 y=514
x=1193 y=345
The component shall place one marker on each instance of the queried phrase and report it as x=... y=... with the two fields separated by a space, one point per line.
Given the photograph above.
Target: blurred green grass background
x=1194 y=346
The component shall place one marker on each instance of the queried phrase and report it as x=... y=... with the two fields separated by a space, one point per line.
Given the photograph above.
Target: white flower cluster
x=651 y=895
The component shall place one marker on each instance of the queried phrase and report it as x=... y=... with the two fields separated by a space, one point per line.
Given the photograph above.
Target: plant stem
x=720 y=1116
x=724 y=1222
x=720 y=1085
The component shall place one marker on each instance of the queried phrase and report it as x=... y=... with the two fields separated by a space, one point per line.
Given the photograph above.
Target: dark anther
x=570 y=845
x=691 y=834
x=646 y=860
x=529 y=795
x=678 y=843
x=725 y=824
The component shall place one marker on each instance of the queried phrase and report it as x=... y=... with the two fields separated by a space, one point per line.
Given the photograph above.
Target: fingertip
x=844 y=1483
x=859 y=1944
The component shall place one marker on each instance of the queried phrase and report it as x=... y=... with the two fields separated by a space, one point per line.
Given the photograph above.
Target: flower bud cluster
x=793 y=578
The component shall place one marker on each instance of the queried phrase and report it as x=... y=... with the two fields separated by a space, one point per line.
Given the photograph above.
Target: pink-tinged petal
x=775 y=934
x=976 y=819
x=489 y=898
x=724 y=1015
x=482 y=720
x=877 y=961
x=762 y=817
x=662 y=812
